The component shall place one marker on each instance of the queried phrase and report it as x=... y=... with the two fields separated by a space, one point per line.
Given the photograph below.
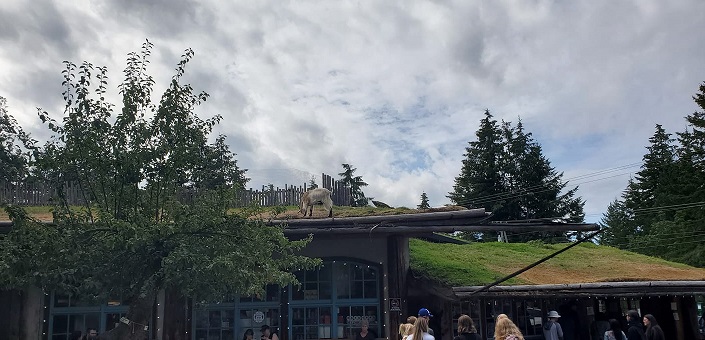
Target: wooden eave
x=475 y=220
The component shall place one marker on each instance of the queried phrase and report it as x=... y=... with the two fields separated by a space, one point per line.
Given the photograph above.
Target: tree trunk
x=139 y=315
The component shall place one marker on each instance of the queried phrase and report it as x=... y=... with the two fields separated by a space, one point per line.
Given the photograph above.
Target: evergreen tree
x=505 y=172
x=355 y=183
x=480 y=176
x=661 y=212
x=312 y=183
x=424 y=202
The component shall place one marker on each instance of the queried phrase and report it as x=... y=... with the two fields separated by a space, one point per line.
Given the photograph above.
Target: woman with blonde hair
x=466 y=329
x=405 y=330
x=421 y=330
x=505 y=329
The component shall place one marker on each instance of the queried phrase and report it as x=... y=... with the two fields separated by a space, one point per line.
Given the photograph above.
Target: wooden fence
x=41 y=194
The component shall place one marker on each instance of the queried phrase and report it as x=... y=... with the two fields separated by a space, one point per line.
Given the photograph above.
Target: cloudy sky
x=395 y=88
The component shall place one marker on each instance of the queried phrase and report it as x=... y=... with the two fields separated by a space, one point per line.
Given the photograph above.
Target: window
x=334 y=300
x=67 y=313
x=214 y=324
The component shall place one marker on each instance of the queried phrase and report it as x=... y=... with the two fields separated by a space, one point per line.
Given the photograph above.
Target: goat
x=316 y=196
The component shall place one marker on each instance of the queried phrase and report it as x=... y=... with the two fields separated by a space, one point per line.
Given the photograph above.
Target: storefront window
x=334 y=300
x=214 y=324
x=67 y=314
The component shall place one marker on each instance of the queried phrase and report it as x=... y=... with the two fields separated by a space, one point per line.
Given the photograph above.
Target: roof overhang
x=599 y=289
x=474 y=220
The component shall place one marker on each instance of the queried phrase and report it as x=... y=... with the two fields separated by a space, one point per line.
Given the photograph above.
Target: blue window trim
x=102 y=310
x=334 y=302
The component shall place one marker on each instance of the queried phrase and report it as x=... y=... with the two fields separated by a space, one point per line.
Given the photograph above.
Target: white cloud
x=395 y=88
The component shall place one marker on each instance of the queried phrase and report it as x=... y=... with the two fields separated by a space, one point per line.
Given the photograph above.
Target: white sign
x=258 y=317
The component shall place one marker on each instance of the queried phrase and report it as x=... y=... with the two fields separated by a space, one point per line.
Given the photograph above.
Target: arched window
x=334 y=300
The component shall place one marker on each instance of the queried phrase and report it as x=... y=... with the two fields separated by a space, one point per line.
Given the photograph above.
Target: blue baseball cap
x=423 y=312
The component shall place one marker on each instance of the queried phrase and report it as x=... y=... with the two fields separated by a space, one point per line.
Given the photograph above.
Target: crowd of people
x=646 y=328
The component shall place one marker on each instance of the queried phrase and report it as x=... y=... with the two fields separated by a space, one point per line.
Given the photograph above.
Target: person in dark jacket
x=653 y=330
x=635 y=331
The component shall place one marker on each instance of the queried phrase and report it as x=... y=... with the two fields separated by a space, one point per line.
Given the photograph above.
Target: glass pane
x=229 y=335
x=324 y=273
x=228 y=320
x=324 y=292
x=61 y=324
x=92 y=321
x=357 y=290
x=201 y=334
x=76 y=323
x=297 y=316
x=297 y=293
x=200 y=318
x=214 y=335
x=214 y=319
x=370 y=289
x=370 y=273
x=311 y=275
x=358 y=273
x=60 y=337
x=342 y=280
x=298 y=333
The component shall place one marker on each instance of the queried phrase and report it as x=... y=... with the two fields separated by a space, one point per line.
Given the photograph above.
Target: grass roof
x=481 y=263
x=43 y=213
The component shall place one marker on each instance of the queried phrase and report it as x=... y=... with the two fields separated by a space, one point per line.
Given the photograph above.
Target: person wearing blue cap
x=426 y=314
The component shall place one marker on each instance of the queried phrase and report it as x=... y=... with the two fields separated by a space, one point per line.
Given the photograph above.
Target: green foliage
x=355 y=183
x=661 y=211
x=505 y=172
x=15 y=147
x=424 y=202
x=137 y=233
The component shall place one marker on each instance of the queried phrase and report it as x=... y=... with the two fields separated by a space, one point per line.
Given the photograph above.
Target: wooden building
x=363 y=278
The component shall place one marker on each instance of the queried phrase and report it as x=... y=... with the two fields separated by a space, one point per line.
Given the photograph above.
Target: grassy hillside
x=482 y=263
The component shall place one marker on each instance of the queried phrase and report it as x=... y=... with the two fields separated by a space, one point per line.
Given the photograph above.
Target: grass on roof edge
x=476 y=264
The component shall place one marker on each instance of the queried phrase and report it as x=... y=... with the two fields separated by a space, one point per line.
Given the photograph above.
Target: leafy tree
x=15 y=147
x=505 y=172
x=134 y=237
x=355 y=183
x=424 y=202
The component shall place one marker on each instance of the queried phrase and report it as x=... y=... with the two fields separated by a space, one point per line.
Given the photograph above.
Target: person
x=635 y=330
x=505 y=329
x=249 y=335
x=615 y=328
x=411 y=320
x=364 y=333
x=552 y=330
x=466 y=329
x=267 y=333
x=405 y=330
x=426 y=314
x=92 y=334
x=653 y=330
x=701 y=322
x=502 y=316
x=421 y=330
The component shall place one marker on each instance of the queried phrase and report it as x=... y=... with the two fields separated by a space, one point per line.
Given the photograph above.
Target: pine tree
x=312 y=183
x=480 y=176
x=424 y=202
x=506 y=172
x=355 y=183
